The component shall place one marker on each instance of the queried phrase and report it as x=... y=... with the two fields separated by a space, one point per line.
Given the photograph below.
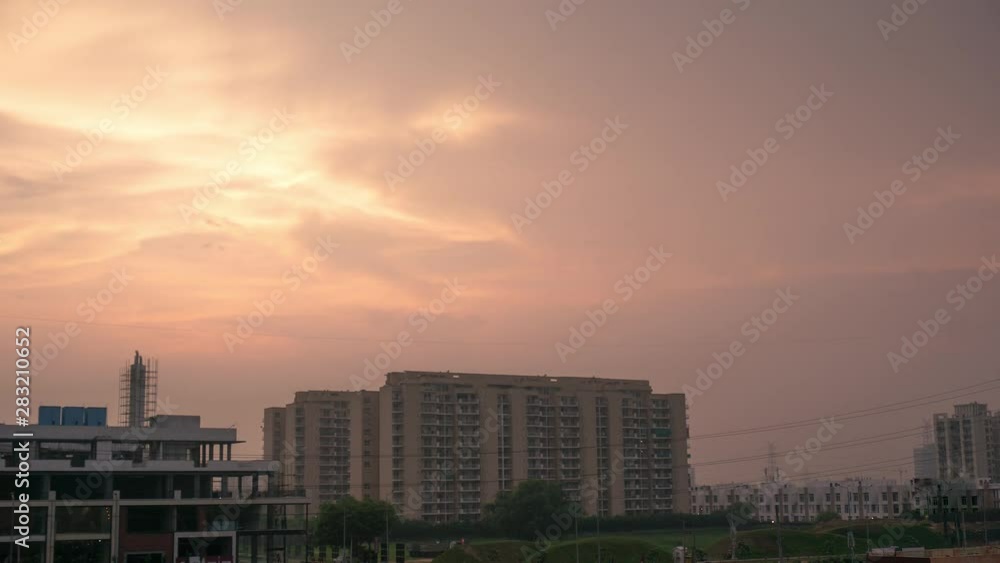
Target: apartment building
x=967 y=443
x=851 y=499
x=452 y=441
x=955 y=495
x=165 y=492
x=327 y=443
x=440 y=446
x=925 y=462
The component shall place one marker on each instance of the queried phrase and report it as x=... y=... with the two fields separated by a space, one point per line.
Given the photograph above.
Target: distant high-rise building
x=925 y=462
x=327 y=444
x=967 y=443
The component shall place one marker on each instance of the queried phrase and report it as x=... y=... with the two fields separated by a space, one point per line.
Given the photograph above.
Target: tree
x=827 y=516
x=533 y=506
x=740 y=513
x=365 y=521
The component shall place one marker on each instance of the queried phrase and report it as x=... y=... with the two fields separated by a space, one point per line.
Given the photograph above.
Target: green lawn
x=657 y=546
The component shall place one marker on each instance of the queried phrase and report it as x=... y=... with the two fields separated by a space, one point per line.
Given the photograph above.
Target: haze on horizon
x=303 y=138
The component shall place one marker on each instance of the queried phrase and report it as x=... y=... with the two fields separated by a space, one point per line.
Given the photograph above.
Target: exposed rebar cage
x=137 y=392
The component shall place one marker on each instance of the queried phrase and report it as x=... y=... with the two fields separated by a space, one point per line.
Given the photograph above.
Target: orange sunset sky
x=302 y=128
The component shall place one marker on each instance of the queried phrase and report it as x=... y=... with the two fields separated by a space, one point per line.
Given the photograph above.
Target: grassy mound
x=828 y=540
x=918 y=535
x=618 y=549
x=487 y=552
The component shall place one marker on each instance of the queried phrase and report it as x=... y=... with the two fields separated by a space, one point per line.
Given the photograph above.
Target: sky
x=269 y=196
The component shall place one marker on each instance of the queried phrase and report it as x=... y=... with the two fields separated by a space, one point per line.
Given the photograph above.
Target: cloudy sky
x=168 y=170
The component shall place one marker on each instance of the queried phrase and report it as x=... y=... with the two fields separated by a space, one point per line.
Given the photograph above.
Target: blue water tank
x=97 y=416
x=49 y=416
x=74 y=416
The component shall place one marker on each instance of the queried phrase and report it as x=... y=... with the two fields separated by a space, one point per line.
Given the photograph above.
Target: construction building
x=161 y=493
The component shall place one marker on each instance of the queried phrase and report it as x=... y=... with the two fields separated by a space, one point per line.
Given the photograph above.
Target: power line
x=853 y=414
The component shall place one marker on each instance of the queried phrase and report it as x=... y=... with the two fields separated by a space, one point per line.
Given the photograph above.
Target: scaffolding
x=137 y=392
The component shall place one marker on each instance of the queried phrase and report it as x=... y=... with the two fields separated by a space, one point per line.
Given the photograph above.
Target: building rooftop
x=162 y=428
x=514 y=380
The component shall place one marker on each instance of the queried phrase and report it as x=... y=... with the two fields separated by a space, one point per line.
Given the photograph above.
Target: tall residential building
x=450 y=442
x=440 y=446
x=967 y=443
x=327 y=443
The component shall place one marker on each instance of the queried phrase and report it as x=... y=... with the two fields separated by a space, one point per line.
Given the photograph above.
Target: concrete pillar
x=229 y=452
x=115 y=520
x=50 y=528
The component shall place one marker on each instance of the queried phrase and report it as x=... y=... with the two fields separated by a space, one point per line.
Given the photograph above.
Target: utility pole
x=861 y=503
x=387 y=536
x=343 y=553
x=576 y=536
x=963 y=537
x=940 y=503
x=599 y=528
x=732 y=538
x=982 y=507
x=684 y=538
x=781 y=551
